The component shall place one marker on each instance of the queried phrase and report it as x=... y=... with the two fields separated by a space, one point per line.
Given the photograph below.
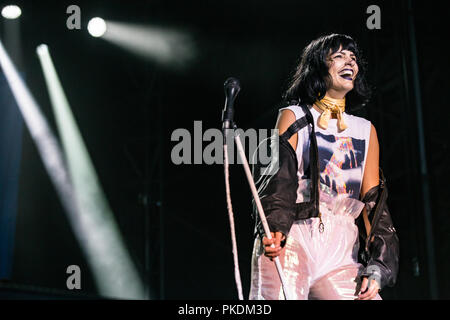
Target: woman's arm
x=371 y=171
x=371 y=179
x=286 y=118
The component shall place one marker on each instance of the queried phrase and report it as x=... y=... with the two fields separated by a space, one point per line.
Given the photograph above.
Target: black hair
x=311 y=78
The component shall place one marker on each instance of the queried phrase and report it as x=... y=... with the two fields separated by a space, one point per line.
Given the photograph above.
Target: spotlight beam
x=104 y=247
x=168 y=47
x=46 y=142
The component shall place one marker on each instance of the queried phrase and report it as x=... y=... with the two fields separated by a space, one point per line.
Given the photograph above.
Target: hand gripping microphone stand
x=232 y=88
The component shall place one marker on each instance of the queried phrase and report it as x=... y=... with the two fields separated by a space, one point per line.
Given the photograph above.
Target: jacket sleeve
x=381 y=255
x=278 y=191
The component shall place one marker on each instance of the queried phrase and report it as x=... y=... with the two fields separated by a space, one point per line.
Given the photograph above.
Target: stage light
x=97 y=27
x=11 y=12
x=42 y=49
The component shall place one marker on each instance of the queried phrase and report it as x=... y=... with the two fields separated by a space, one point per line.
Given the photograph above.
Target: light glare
x=42 y=49
x=97 y=27
x=11 y=12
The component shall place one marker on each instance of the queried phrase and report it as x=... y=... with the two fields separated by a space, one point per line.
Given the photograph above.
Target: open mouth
x=347 y=74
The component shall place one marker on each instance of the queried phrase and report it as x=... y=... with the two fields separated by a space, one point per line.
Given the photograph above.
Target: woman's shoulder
x=296 y=109
x=360 y=126
x=359 y=120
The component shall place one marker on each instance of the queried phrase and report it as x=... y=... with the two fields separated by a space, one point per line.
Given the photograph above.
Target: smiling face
x=343 y=70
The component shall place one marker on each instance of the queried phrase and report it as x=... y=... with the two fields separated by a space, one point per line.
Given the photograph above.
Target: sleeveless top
x=342 y=156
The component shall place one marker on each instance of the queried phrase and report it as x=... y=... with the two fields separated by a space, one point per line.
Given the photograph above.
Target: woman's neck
x=330 y=94
x=333 y=94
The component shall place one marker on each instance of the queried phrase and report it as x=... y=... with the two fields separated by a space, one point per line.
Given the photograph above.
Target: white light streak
x=170 y=48
x=109 y=259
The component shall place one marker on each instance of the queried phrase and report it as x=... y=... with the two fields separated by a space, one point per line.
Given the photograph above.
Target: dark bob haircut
x=311 y=78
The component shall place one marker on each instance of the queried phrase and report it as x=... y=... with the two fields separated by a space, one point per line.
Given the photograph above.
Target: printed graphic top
x=342 y=154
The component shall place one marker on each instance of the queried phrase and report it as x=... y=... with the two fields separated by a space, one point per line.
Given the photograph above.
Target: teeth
x=347 y=72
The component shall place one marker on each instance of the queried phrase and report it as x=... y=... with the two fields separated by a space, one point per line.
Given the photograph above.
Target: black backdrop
x=127 y=108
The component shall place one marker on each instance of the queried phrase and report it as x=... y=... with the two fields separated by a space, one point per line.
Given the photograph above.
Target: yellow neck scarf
x=328 y=106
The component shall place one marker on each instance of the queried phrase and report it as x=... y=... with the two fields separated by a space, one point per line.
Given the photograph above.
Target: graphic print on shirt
x=341 y=161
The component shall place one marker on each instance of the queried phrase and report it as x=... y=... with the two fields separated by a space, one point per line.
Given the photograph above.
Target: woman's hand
x=368 y=293
x=270 y=252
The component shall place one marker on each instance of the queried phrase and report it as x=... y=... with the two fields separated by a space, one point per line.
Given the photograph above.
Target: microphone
x=232 y=88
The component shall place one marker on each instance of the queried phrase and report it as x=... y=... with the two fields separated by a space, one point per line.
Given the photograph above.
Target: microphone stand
x=237 y=275
x=232 y=88
x=262 y=216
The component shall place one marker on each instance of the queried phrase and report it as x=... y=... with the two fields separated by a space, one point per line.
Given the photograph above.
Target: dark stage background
x=174 y=218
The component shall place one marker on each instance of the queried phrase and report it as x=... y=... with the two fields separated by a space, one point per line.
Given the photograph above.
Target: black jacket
x=278 y=195
x=381 y=247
